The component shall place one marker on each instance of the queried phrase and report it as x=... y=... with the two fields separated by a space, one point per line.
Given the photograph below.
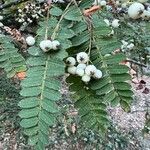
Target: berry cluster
x=114 y=23
x=126 y=46
x=137 y=10
x=45 y=45
x=31 y=12
x=82 y=68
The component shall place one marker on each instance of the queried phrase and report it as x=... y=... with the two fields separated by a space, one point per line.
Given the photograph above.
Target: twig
x=47 y=19
x=58 y=24
x=12 y=3
x=135 y=62
x=65 y=126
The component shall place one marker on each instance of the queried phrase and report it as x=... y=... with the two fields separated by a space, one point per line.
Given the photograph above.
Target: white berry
x=115 y=23
x=82 y=66
x=82 y=58
x=46 y=45
x=130 y=46
x=90 y=70
x=111 y=33
x=55 y=44
x=80 y=72
x=98 y=74
x=103 y=3
x=70 y=61
x=135 y=10
x=30 y=40
x=124 y=5
x=124 y=43
x=72 y=70
x=86 y=78
x=146 y=14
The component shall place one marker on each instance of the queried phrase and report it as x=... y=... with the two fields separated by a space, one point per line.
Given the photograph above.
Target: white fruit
x=55 y=44
x=70 y=61
x=124 y=43
x=146 y=14
x=98 y=74
x=124 y=5
x=135 y=10
x=103 y=3
x=90 y=70
x=107 y=22
x=80 y=72
x=19 y=10
x=82 y=58
x=115 y=23
x=130 y=46
x=46 y=45
x=30 y=40
x=82 y=66
x=111 y=33
x=86 y=78
x=72 y=70
x=96 y=2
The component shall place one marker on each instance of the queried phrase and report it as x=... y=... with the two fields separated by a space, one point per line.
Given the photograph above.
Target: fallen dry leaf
x=91 y=10
x=21 y=75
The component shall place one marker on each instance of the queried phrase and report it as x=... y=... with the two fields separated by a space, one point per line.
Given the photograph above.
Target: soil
x=126 y=122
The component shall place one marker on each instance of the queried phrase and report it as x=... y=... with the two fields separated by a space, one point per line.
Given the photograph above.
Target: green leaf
x=30 y=122
x=33 y=140
x=48 y=118
x=28 y=113
x=80 y=39
x=50 y=106
x=41 y=87
x=56 y=11
x=10 y=60
x=31 y=131
x=73 y=14
x=29 y=102
x=125 y=106
x=91 y=108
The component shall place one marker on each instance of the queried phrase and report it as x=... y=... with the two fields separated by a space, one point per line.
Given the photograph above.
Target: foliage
x=41 y=88
x=9 y=99
x=10 y=60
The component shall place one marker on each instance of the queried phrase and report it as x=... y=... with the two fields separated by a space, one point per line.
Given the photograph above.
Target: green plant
x=9 y=91
x=41 y=87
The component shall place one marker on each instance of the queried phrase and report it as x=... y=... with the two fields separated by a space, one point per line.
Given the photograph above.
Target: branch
x=12 y=3
x=135 y=62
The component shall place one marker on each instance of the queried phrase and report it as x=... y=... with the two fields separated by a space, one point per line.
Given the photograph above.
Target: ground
x=127 y=123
